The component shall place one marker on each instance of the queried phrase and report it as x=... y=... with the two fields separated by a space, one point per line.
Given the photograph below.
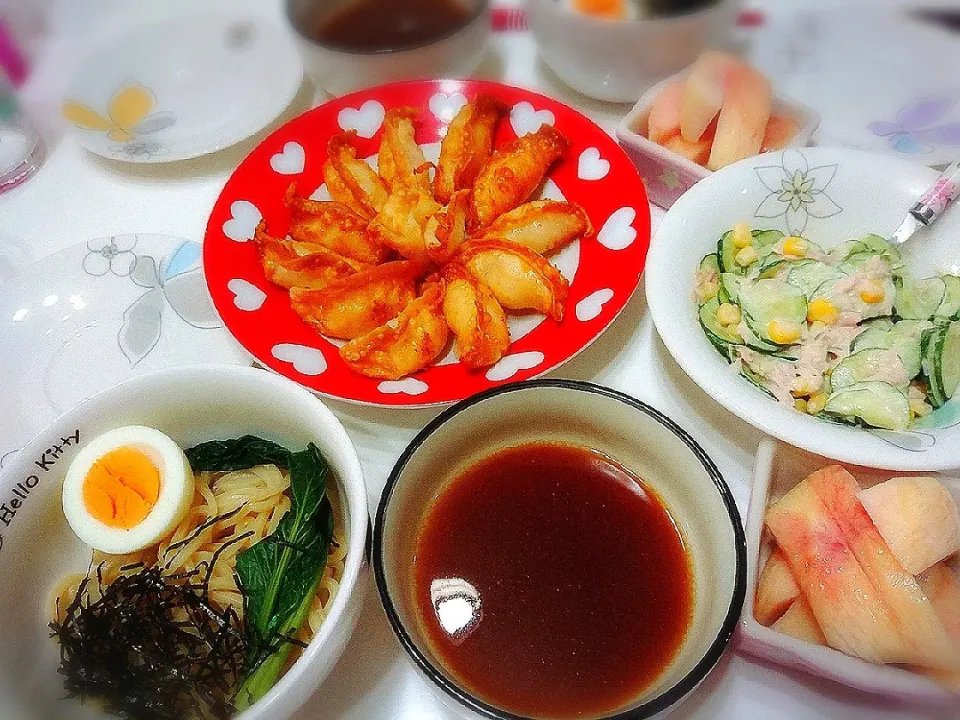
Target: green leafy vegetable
x=280 y=574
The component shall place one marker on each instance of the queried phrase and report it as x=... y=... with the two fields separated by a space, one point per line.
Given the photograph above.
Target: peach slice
x=942 y=586
x=798 y=622
x=918 y=518
x=743 y=117
x=663 y=122
x=776 y=589
x=919 y=625
x=703 y=93
x=779 y=132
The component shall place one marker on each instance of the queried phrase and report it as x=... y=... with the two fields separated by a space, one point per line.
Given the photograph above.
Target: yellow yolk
x=121 y=488
x=614 y=9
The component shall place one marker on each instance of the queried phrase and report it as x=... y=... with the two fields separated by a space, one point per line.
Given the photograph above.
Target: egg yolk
x=121 y=488
x=613 y=9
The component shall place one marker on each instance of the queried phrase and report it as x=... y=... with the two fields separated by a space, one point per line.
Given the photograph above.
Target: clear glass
x=21 y=147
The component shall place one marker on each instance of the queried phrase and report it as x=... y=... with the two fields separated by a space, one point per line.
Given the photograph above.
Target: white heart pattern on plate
x=618 y=232
x=305 y=360
x=407 y=386
x=246 y=295
x=446 y=107
x=512 y=364
x=525 y=120
x=366 y=121
x=591 y=166
x=244 y=218
x=592 y=304
x=290 y=161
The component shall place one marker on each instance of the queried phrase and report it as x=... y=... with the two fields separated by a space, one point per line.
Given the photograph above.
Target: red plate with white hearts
x=603 y=270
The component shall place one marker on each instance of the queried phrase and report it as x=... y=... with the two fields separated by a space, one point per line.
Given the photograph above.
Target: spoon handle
x=934 y=201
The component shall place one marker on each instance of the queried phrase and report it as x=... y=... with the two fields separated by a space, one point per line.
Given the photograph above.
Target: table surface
x=77 y=196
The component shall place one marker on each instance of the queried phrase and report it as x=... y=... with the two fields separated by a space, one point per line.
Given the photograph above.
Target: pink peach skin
x=663 y=122
x=743 y=117
x=703 y=94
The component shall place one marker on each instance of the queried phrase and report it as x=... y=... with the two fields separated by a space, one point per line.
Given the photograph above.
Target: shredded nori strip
x=152 y=647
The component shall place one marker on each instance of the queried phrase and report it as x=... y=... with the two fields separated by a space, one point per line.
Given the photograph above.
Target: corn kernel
x=742 y=237
x=816 y=403
x=822 y=310
x=800 y=404
x=795 y=247
x=783 y=332
x=920 y=408
x=747 y=256
x=817 y=327
x=706 y=291
x=872 y=292
x=728 y=314
x=801 y=387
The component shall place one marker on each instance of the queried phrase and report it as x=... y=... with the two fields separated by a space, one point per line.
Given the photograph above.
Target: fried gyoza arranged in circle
x=352 y=265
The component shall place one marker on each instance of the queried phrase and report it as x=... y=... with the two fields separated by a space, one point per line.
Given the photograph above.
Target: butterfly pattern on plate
x=129 y=117
x=923 y=124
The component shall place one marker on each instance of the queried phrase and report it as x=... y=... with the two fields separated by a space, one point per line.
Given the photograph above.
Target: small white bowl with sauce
x=488 y=432
x=349 y=45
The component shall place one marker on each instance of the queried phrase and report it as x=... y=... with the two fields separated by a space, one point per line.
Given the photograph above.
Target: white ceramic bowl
x=777 y=469
x=853 y=193
x=668 y=175
x=340 y=71
x=37 y=547
x=619 y=60
x=623 y=428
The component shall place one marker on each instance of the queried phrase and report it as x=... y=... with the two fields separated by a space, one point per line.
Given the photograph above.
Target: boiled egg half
x=127 y=489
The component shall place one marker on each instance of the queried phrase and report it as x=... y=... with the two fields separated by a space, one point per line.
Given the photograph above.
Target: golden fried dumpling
x=357 y=304
x=405 y=344
x=446 y=230
x=290 y=264
x=514 y=172
x=335 y=226
x=351 y=181
x=401 y=160
x=402 y=221
x=544 y=226
x=467 y=145
x=519 y=278
x=475 y=317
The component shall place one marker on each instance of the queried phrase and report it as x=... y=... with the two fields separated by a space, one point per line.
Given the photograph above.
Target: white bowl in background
x=192 y=405
x=778 y=468
x=621 y=427
x=618 y=60
x=853 y=193
x=668 y=175
x=340 y=71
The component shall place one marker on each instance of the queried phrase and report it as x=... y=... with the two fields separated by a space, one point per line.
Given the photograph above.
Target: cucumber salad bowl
x=772 y=285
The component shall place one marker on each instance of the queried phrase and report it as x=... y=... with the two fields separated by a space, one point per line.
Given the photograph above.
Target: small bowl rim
x=654 y=23
x=678 y=690
x=483 y=7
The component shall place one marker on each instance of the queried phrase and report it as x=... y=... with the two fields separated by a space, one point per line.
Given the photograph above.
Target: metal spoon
x=931 y=204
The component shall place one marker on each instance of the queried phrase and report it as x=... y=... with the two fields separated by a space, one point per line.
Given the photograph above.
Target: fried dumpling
x=335 y=226
x=357 y=304
x=475 y=317
x=400 y=160
x=544 y=226
x=289 y=264
x=351 y=181
x=467 y=145
x=446 y=230
x=514 y=172
x=402 y=222
x=519 y=278
x=405 y=344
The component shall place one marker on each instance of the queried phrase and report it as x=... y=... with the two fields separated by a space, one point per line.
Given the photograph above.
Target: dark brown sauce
x=370 y=25
x=563 y=583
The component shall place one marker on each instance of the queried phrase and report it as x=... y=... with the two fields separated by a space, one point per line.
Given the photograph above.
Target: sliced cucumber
x=763 y=241
x=755 y=379
x=808 y=275
x=754 y=342
x=884 y=247
x=730 y=285
x=931 y=342
x=856 y=261
x=719 y=335
x=850 y=247
x=764 y=301
x=948 y=366
x=903 y=338
x=877 y=404
x=941 y=361
x=950 y=305
x=919 y=299
x=864 y=365
x=726 y=252
x=709 y=263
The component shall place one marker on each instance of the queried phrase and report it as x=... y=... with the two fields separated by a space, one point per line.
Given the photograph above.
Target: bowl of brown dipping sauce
x=555 y=549
x=349 y=45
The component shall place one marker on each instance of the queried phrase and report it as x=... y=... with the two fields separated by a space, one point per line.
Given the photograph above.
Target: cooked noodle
x=230 y=513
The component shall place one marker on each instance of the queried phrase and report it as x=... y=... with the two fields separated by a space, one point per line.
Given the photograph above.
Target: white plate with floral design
x=96 y=314
x=183 y=88
x=828 y=195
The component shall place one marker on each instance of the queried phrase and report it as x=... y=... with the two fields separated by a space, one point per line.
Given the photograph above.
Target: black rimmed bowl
x=639 y=437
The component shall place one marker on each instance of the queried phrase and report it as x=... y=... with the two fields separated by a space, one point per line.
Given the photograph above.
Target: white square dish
x=777 y=468
x=669 y=175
